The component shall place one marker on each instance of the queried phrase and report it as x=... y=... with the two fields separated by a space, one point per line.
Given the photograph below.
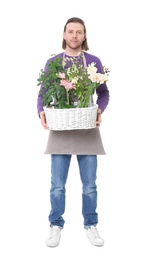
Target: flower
x=68 y=82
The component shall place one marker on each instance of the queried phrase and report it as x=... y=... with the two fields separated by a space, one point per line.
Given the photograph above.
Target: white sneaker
x=94 y=237
x=54 y=236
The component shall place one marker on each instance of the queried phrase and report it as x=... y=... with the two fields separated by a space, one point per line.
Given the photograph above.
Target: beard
x=74 y=47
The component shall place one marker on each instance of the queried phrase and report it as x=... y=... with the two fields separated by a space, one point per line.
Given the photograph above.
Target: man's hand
x=98 y=119
x=43 y=120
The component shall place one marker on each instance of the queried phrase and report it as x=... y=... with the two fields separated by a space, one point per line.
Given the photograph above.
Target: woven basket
x=71 y=118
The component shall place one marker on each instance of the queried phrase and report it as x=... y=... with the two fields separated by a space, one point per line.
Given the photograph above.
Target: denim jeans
x=59 y=173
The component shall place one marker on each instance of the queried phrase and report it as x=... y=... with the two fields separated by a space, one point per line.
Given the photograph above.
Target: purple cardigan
x=102 y=91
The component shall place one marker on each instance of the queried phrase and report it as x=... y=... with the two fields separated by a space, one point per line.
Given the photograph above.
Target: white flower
x=91 y=68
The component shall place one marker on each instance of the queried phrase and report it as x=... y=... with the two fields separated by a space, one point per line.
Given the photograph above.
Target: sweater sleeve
x=39 y=98
x=102 y=96
x=102 y=91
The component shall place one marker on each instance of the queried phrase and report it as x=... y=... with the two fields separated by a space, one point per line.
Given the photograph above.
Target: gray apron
x=87 y=141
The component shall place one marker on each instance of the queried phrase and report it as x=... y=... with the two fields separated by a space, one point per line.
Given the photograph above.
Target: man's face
x=74 y=35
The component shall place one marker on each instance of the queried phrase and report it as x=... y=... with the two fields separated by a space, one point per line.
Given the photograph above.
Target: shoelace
x=95 y=232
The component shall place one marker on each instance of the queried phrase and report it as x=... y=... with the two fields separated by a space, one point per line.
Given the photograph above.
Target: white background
x=30 y=32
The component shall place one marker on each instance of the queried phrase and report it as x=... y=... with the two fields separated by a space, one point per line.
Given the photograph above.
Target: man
x=85 y=144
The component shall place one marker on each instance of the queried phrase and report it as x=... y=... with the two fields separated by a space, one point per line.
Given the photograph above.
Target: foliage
x=66 y=79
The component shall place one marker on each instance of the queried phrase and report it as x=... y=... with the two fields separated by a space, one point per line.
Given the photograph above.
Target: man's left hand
x=98 y=119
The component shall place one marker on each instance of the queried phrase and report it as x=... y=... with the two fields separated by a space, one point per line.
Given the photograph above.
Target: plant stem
x=67 y=97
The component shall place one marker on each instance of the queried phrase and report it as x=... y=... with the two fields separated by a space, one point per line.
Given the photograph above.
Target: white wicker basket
x=71 y=118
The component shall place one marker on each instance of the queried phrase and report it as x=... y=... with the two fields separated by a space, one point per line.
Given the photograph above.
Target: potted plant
x=66 y=88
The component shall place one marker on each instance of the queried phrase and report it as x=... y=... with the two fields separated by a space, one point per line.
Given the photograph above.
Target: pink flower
x=68 y=85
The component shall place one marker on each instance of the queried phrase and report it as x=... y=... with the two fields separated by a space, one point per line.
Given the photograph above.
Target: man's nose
x=74 y=34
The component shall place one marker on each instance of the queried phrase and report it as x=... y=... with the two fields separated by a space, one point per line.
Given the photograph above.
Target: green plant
x=65 y=79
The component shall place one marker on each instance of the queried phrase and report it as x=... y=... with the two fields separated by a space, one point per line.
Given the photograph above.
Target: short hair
x=76 y=20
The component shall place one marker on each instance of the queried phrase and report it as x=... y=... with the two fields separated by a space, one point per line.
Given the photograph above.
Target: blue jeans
x=59 y=173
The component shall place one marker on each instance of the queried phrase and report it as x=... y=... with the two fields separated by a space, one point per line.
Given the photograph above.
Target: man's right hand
x=43 y=120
